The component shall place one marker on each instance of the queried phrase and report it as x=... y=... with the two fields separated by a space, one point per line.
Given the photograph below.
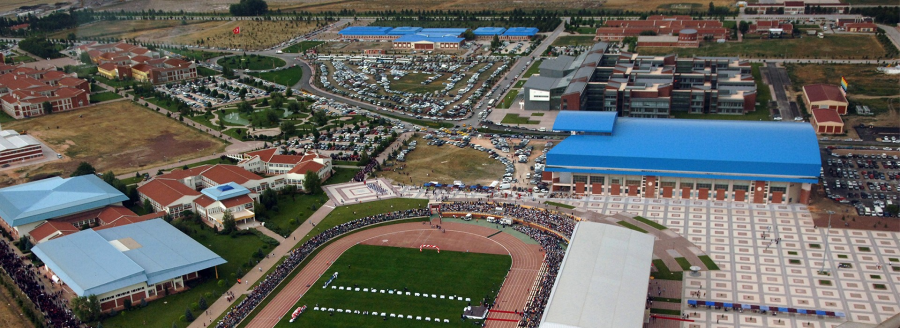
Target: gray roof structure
x=557 y=64
x=602 y=280
x=55 y=197
x=94 y=262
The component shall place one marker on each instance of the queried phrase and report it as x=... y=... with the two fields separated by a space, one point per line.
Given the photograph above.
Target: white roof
x=10 y=140
x=603 y=279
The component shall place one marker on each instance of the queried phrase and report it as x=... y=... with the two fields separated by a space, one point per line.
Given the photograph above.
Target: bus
x=491 y=103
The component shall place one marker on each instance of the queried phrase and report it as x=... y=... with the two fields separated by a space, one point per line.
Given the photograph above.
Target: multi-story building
x=125 y=61
x=642 y=86
x=741 y=161
x=616 y=30
x=15 y=147
x=23 y=92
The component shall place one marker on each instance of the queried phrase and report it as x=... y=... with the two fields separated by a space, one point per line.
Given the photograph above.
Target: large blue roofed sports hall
x=683 y=158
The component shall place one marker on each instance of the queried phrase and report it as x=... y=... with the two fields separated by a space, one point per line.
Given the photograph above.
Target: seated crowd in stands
x=559 y=222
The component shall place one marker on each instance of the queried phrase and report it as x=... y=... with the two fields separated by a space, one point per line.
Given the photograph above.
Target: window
x=720 y=186
x=741 y=187
x=778 y=189
x=633 y=182
x=704 y=185
x=687 y=185
x=667 y=184
x=579 y=178
x=597 y=179
x=615 y=181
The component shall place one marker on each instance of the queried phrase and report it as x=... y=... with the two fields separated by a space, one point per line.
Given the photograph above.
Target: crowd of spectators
x=554 y=253
x=559 y=222
x=239 y=312
x=47 y=301
x=361 y=175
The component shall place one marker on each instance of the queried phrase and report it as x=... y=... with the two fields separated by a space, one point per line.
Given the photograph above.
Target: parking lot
x=208 y=92
x=866 y=179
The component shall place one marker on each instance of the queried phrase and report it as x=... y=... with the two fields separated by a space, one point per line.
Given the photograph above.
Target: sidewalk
x=221 y=305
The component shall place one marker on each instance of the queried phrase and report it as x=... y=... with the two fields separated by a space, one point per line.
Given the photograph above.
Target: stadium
x=455 y=264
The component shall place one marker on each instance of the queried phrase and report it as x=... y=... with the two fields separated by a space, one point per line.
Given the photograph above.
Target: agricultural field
x=402 y=268
x=15 y=4
x=831 y=47
x=445 y=164
x=861 y=79
x=254 y=35
x=125 y=145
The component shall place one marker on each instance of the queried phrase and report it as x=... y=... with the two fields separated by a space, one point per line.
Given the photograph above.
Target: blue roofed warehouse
x=743 y=161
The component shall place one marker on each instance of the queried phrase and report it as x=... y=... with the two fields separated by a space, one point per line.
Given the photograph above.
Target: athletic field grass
x=252 y=63
x=830 y=47
x=287 y=77
x=469 y=275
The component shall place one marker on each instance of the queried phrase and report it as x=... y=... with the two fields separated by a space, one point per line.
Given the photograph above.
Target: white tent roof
x=603 y=279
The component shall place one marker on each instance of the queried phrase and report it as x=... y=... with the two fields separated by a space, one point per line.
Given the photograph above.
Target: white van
x=505 y=186
x=468 y=217
x=506 y=221
x=491 y=219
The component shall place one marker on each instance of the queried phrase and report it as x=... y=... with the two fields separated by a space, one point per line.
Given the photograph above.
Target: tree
x=84 y=168
x=249 y=8
x=469 y=35
x=743 y=27
x=289 y=190
x=85 y=58
x=202 y=303
x=311 y=182
x=228 y=223
x=86 y=308
x=288 y=128
x=188 y=315
x=712 y=8
x=148 y=207
x=495 y=43
x=48 y=107
x=293 y=107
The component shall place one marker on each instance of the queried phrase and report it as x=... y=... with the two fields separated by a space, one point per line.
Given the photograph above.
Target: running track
x=526 y=262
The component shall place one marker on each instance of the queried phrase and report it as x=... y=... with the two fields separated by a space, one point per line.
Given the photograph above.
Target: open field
x=446 y=164
x=104 y=96
x=11 y=315
x=302 y=46
x=218 y=34
x=444 y=273
x=862 y=79
x=574 y=40
x=8 y=5
x=831 y=47
x=112 y=137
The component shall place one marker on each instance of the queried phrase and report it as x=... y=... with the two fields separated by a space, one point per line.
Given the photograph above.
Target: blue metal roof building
x=365 y=30
x=55 y=197
x=225 y=191
x=489 y=31
x=404 y=30
x=442 y=32
x=703 y=149
x=589 y=122
x=97 y=262
x=521 y=31
x=420 y=38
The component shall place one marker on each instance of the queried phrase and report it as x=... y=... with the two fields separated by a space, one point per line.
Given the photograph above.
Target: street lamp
x=825 y=255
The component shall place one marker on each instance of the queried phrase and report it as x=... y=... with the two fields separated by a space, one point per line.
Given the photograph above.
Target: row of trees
x=249 y=8
x=40 y=46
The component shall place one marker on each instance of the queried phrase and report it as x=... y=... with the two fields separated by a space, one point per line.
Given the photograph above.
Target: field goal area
x=381 y=286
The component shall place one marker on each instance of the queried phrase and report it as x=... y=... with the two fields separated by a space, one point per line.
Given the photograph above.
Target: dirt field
x=8 y=5
x=10 y=315
x=371 y=5
x=119 y=136
x=862 y=79
x=445 y=164
x=254 y=34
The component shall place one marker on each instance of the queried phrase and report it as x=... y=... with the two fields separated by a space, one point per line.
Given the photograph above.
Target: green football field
x=468 y=275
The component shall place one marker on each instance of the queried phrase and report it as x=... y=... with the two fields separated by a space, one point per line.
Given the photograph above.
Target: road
x=779 y=80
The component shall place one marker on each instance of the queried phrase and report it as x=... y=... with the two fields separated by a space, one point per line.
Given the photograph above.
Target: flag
x=236 y=30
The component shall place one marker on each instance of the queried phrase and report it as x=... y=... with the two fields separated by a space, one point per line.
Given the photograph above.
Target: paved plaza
x=360 y=192
x=755 y=270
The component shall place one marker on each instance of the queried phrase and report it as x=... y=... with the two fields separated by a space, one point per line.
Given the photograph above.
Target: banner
x=236 y=30
x=843 y=84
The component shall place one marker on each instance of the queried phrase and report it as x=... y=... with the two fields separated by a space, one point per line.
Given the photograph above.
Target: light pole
x=825 y=255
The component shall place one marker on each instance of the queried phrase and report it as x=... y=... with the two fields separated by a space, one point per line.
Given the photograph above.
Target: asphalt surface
x=779 y=79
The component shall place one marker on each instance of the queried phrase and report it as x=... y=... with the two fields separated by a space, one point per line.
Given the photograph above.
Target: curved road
x=526 y=263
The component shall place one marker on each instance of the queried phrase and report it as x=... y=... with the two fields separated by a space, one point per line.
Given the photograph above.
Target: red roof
x=239 y=200
x=794 y=4
x=108 y=66
x=824 y=92
x=822 y=115
x=181 y=174
x=126 y=220
x=204 y=201
x=306 y=167
x=229 y=173
x=112 y=213
x=860 y=25
x=51 y=227
x=166 y=192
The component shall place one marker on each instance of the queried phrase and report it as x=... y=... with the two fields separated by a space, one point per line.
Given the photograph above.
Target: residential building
x=126 y=264
x=15 y=147
x=740 y=161
x=818 y=96
x=23 y=92
x=126 y=61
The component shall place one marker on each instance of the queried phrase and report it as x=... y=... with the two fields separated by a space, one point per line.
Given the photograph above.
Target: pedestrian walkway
x=222 y=305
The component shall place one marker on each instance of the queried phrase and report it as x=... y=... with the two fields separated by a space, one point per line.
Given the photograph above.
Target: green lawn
x=683 y=262
x=251 y=62
x=203 y=71
x=631 y=226
x=163 y=313
x=112 y=83
x=4 y=117
x=587 y=30
x=519 y=84
x=710 y=264
x=342 y=175
x=197 y=54
x=445 y=273
x=830 y=47
x=412 y=82
x=508 y=99
x=574 y=40
x=302 y=46
x=651 y=223
x=293 y=211
x=665 y=311
x=287 y=77
x=534 y=69
x=559 y=205
x=664 y=273
x=516 y=119
x=104 y=96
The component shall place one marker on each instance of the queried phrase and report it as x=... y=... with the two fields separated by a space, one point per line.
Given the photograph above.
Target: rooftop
x=598 y=122
x=365 y=30
x=741 y=150
x=602 y=280
x=489 y=30
x=420 y=38
x=824 y=92
x=225 y=191
x=96 y=262
x=55 y=197
x=521 y=31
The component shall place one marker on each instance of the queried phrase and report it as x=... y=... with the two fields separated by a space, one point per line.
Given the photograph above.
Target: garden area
x=286 y=77
x=251 y=62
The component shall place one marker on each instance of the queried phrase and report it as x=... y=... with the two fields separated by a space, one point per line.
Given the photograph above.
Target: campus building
x=421 y=42
x=859 y=25
x=825 y=96
x=227 y=198
x=781 y=7
x=772 y=28
x=488 y=33
x=686 y=38
x=519 y=34
x=272 y=162
x=126 y=61
x=602 y=279
x=658 y=25
x=741 y=161
x=827 y=121
x=70 y=203
x=642 y=86
x=23 y=91
x=141 y=261
x=15 y=147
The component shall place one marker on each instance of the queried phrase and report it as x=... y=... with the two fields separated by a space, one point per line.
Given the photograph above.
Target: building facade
x=16 y=148
x=23 y=92
x=127 y=61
